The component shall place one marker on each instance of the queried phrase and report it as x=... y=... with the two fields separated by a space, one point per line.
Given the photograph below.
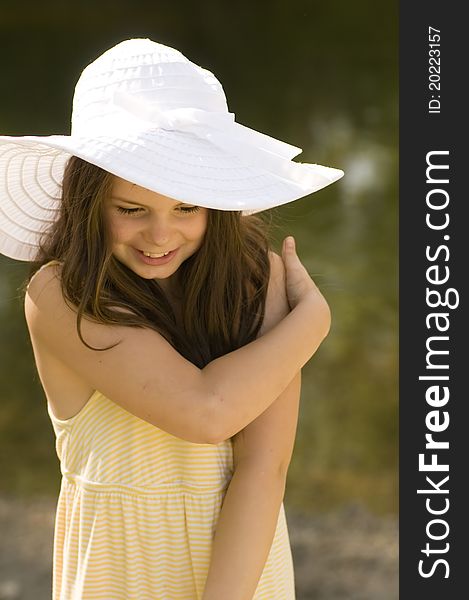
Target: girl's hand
x=298 y=283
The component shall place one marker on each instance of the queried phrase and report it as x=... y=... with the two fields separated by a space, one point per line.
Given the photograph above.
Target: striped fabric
x=138 y=508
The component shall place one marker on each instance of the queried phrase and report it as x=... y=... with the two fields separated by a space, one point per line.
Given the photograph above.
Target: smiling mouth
x=154 y=255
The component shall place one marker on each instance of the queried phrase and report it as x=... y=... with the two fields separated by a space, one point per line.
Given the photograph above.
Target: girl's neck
x=171 y=287
x=173 y=294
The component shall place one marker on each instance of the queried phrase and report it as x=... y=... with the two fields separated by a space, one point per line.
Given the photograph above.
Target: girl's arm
x=244 y=534
x=262 y=453
x=145 y=375
x=250 y=511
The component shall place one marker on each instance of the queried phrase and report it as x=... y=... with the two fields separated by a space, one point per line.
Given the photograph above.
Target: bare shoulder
x=66 y=392
x=43 y=295
x=45 y=305
x=41 y=278
x=276 y=306
x=121 y=362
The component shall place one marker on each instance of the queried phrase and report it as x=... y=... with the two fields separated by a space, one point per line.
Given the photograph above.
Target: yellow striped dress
x=138 y=508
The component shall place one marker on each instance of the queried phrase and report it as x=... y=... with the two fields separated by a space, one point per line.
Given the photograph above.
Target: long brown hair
x=223 y=284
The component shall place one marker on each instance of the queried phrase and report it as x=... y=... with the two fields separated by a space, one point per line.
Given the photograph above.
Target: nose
x=159 y=232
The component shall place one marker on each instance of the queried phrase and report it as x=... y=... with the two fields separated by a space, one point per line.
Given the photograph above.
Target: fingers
x=289 y=243
x=289 y=255
x=289 y=246
x=293 y=264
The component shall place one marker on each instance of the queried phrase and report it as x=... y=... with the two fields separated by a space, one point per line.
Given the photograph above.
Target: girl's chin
x=148 y=272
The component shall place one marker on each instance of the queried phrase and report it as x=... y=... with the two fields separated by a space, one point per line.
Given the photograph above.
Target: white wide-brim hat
x=147 y=114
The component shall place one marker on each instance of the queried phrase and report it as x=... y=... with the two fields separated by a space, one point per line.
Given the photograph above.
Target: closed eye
x=189 y=209
x=128 y=211
x=132 y=211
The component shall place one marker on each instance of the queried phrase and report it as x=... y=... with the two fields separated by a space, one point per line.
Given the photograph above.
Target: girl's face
x=143 y=221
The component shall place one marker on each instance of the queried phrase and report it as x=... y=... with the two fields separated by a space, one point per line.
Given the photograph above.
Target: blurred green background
x=322 y=76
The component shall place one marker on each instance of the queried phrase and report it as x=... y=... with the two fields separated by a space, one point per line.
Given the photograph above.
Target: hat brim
x=179 y=165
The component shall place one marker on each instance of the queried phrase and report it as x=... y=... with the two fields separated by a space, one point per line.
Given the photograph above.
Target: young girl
x=168 y=337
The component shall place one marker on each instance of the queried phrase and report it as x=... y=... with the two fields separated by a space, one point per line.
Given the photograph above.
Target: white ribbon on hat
x=222 y=130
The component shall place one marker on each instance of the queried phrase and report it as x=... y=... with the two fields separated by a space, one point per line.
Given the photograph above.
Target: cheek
x=120 y=232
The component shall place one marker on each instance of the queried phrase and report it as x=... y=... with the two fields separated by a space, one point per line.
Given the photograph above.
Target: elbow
x=222 y=424
x=326 y=320
x=212 y=435
x=214 y=430
x=214 y=440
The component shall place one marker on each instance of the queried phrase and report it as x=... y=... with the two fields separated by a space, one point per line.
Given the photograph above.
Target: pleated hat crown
x=139 y=77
